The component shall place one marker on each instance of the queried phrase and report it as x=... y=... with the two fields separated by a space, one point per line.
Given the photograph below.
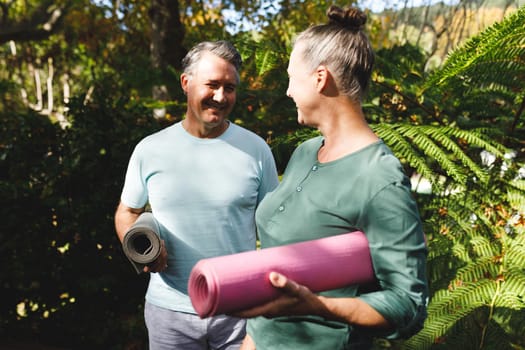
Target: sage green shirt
x=366 y=191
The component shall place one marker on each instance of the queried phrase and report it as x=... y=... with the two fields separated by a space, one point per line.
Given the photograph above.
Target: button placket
x=299 y=187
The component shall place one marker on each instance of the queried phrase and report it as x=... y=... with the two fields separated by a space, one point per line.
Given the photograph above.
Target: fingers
x=161 y=263
x=287 y=285
x=277 y=280
x=292 y=300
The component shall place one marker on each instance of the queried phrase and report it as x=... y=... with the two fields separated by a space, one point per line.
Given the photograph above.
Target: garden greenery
x=66 y=282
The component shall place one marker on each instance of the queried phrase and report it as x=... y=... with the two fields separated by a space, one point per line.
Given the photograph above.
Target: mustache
x=215 y=105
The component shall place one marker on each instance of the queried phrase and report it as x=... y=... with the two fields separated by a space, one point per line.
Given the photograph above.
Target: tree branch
x=43 y=22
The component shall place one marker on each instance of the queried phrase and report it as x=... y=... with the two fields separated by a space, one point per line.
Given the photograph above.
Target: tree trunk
x=167 y=34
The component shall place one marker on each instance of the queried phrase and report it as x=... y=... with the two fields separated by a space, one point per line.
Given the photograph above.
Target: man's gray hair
x=222 y=48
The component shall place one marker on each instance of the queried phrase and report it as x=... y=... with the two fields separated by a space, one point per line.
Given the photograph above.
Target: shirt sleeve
x=269 y=178
x=398 y=250
x=134 y=193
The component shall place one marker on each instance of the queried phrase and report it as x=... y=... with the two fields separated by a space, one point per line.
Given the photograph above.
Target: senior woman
x=345 y=180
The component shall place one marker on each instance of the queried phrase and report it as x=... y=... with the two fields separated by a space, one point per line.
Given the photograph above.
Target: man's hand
x=161 y=263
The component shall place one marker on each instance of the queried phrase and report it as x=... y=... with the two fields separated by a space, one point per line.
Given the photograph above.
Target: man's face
x=211 y=90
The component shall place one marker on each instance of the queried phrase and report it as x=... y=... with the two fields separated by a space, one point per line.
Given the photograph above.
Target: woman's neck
x=343 y=135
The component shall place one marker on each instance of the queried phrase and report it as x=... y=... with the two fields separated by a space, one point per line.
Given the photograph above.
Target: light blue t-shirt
x=203 y=193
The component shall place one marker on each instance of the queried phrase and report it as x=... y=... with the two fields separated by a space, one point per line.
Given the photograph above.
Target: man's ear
x=184 y=79
x=322 y=76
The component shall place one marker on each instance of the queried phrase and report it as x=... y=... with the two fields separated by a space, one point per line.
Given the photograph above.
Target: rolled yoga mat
x=141 y=242
x=236 y=282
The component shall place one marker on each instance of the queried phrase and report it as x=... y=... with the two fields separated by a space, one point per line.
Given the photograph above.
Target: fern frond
x=515 y=283
x=448 y=308
x=472 y=333
x=476 y=138
x=459 y=218
x=510 y=300
x=434 y=151
x=484 y=247
x=461 y=252
x=515 y=254
x=518 y=184
x=266 y=60
x=441 y=144
x=477 y=270
x=442 y=135
x=495 y=56
x=266 y=53
x=517 y=200
x=477 y=277
x=461 y=299
x=403 y=148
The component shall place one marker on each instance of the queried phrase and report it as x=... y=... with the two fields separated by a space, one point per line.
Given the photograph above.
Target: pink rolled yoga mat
x=236 y=282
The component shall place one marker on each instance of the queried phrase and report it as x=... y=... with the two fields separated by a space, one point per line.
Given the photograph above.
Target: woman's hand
x=296 y=299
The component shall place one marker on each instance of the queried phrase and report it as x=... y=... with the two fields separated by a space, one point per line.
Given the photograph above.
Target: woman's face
x=302 y=87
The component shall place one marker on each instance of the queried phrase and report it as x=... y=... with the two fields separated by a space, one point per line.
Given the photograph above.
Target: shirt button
x=314 y=168
x=281 y=208
x=299 y=188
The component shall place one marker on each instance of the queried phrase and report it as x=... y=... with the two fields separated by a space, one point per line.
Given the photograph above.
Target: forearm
x=353 y=311
x=297 y=299
x=125 y=217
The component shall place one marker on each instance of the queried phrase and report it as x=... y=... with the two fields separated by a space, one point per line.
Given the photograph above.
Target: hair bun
x=349 y=17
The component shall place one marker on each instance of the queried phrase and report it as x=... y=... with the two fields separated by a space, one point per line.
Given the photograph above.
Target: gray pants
x=171 y=330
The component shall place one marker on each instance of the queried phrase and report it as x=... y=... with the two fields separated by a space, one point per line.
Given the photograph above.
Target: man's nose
x=219 y=95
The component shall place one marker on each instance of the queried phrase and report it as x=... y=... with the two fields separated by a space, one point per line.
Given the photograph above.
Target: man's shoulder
x=242 y=132
x=162 y=133
x=241 y=129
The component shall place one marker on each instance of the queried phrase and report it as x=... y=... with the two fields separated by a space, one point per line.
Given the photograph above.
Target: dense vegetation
x=76 y=97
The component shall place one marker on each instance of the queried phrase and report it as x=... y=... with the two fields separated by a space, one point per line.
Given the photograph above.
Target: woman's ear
x=322 y=76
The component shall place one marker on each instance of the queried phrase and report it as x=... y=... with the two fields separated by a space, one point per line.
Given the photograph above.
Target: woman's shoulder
x=313 y=143
x=378 y=163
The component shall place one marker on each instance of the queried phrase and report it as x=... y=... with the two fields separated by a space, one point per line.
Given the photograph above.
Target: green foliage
x=64 y=267
x=499 y=48
x=488 y=72
x=476 y=229
x=262 y=104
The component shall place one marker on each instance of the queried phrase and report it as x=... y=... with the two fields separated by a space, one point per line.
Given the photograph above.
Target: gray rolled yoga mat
x=141 y=243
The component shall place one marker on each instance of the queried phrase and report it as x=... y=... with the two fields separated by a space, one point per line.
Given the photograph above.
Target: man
x=203 y=178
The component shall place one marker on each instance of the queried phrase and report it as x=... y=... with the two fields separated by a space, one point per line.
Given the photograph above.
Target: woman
x=345 y=180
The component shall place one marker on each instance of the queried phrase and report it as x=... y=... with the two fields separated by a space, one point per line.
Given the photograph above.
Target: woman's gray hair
x=343 y=47
x=221 y=48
